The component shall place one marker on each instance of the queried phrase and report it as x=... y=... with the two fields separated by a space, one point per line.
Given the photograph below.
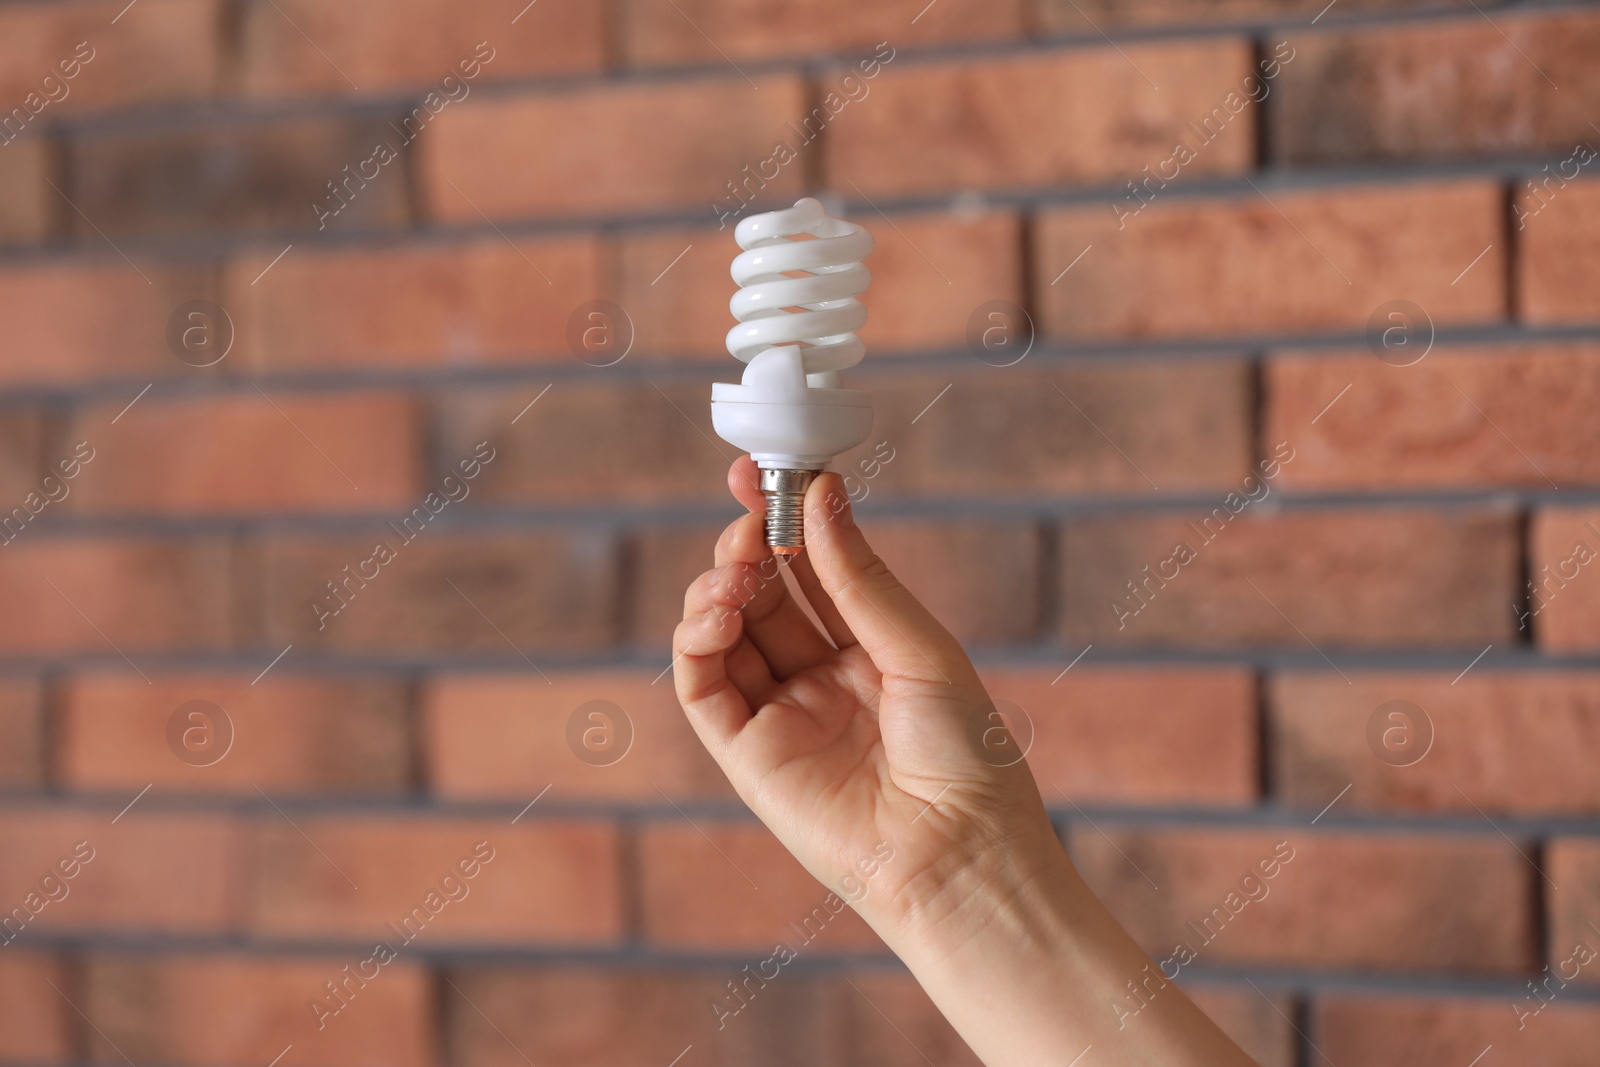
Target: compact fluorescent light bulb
x=800 y=273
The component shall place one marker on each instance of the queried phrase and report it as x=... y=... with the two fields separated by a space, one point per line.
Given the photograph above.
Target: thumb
x=902 y=637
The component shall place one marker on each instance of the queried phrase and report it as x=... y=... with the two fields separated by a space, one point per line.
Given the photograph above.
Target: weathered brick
x=489 y=302
x=666 y=562
x=1258 y=1025
x=500 y=1017
x=996 y=601
x=1237 y=266
x=618 y=440
x=1558 y=243
x=1110 y=736
x=381 y=44
x=67 y=320
x=1562 y=597
x=514 y=595
x=250 y=452
x=1573 y=865
x=287 y=733
x=544 y=882
x=33 y=1018
x=1461 y=88
x=1085 y=16
x=1332 y=578
x=1520 y=416
x=22 y=459
x=654 y=33
x=983 y=580
x=157 y=51
x=1023 y=430
x=510 y=736
x=265 y=177
x=1389 y=902
x=1043 y=431
x=625 y=148
x=28 y=206
x=1398 y=1031
x=86 y=596
x=21 y=735
x=1077 y=116
x=145 y=872
x=930 y=274
x=1518 y=743
x=192 y=1011
x=732 y=887
x=887 y=1019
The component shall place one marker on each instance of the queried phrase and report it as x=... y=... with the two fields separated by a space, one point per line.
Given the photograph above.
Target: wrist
x=1016 y=891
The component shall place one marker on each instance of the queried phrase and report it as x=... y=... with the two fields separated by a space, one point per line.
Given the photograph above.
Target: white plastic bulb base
x=789 y=422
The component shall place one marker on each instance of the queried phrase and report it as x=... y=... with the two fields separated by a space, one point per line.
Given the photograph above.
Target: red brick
x=732 y=887
x=505 y=736
x=251 y=452
x=1259 y=1026
x=162 y=182
x=1563 y=602
x=1398 y=1031
x=1322 y=910
x=1238 y=266
x=28 y=206
x=579 y=1015
x=289 y=734
x=380 y=44
x=1558 y=265
x=654 y=33
x=160 y=50
x=1020 y=430
x=625 y=148
x=997 y=601
x=546 y=882
x=678 y=304
x=137 y=594
x=67 y=320
x=1473 y=86
x=22 y=459
x=619 y=440
x=1573 y=865
x=1110 y=736
x=983 y=580
x=452 y=305
x=1517 y=743
x=150 y=873
x=1519 y=417
x=1063 y=117
x=1339 y=579
x=33 y=1019
x=515 y=595
x=1038 y=431
x=21 y=735
x=930 y=274
x=665 y=562
x=1084 y=16
x=196 y=1011
x=887 y=1020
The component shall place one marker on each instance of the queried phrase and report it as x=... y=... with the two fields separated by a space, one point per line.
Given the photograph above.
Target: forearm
x=1031 y=969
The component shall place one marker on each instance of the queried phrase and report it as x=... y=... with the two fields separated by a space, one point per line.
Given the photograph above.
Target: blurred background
x=1236 y=370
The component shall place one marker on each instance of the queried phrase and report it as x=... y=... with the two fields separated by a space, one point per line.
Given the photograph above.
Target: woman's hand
x=869 y=747
x=874 y=731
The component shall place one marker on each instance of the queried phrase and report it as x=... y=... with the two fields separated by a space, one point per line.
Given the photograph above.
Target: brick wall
x=1310 y=291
